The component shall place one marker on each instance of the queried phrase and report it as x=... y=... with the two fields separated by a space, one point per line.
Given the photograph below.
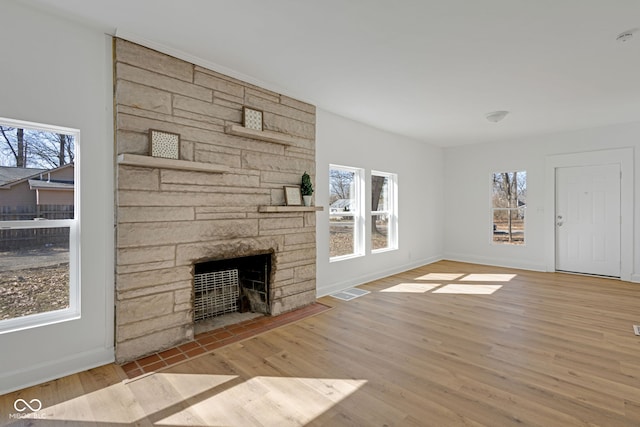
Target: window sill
x=383 y=250
x=38 y=320
x=345 y=257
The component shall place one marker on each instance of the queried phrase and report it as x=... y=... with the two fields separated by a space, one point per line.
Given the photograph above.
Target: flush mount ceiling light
x=496 y=116
x=625 y=36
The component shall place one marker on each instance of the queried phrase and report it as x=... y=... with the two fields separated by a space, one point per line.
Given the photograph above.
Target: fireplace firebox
x=231 y=285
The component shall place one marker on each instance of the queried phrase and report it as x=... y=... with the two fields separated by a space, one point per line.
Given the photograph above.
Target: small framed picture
x=252 y=119
x=292 y=196
x=164 y=144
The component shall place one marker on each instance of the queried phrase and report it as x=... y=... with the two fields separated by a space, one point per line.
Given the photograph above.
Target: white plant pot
x=307 y=200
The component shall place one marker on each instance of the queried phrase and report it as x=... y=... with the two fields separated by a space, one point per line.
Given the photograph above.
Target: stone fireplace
x=222 y=199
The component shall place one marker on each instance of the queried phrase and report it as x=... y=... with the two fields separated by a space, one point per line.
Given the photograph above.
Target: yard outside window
x=509 y=201
x=346 y=220
x=38 y=224
x=384 y=222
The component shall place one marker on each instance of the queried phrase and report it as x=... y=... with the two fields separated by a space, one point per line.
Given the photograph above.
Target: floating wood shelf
x=159 y=162
x=275 y=209
x=264 y=135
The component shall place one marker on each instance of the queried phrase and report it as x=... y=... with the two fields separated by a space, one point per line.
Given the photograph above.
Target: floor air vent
x=349 y=294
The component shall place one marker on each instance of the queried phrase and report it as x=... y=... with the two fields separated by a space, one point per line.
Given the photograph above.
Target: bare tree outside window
x=340 y=182
x=345 y=212
x=383 y=211
x=32 y=148
x=509 y=201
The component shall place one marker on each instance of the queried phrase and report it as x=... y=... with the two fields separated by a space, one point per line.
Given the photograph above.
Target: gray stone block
x=149 y=59
x=143 y=97
x=135 y=348
x=160 y=81
x=219 y=84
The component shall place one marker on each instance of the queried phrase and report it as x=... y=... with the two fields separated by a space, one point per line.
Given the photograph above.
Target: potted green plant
x=306 y=189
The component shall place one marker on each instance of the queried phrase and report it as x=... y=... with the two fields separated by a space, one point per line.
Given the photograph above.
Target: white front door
x=588 y=219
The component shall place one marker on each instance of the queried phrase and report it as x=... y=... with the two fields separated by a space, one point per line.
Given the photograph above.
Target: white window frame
x=391 y=211
x=73 y=311
x=509 y=210
x=357 y=212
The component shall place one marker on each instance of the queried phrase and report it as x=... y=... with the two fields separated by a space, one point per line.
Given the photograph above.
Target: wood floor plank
x=447 y=344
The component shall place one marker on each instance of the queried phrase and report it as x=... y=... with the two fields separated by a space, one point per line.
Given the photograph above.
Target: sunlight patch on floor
x=488 y=277
x=132 y=400
x=445 y=277
x=201 y=399
x=443 y=283
x=459 y=288
x=417 y=288
x=273 y=401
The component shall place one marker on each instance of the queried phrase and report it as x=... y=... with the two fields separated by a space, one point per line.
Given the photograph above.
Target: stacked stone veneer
x=169 y=219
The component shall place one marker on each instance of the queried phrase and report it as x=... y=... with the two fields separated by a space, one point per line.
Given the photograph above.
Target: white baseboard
x=497 y=262
x=360 y=280
x=16 y=380
x=501 y=262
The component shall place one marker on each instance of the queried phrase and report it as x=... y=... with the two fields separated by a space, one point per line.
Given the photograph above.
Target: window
x=509 y=201
x=38 y=224
x=346 y=219
x=384 y=221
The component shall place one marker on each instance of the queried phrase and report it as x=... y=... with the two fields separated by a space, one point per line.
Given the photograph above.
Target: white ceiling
x=427 y=69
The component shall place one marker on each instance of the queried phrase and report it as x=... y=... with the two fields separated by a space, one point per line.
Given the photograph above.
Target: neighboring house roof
x=36 y=184
x=10 y=175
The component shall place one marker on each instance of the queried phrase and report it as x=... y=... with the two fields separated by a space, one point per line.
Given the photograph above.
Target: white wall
x=420 y=198
x=57 y=72
x=468 y=172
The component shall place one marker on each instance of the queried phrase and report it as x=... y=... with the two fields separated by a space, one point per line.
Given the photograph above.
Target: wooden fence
x=34 y=238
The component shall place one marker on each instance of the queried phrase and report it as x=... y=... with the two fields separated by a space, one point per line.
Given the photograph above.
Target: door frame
x=622 y=156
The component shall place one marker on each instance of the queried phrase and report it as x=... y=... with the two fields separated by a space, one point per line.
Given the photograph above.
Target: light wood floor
x=444 y=345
